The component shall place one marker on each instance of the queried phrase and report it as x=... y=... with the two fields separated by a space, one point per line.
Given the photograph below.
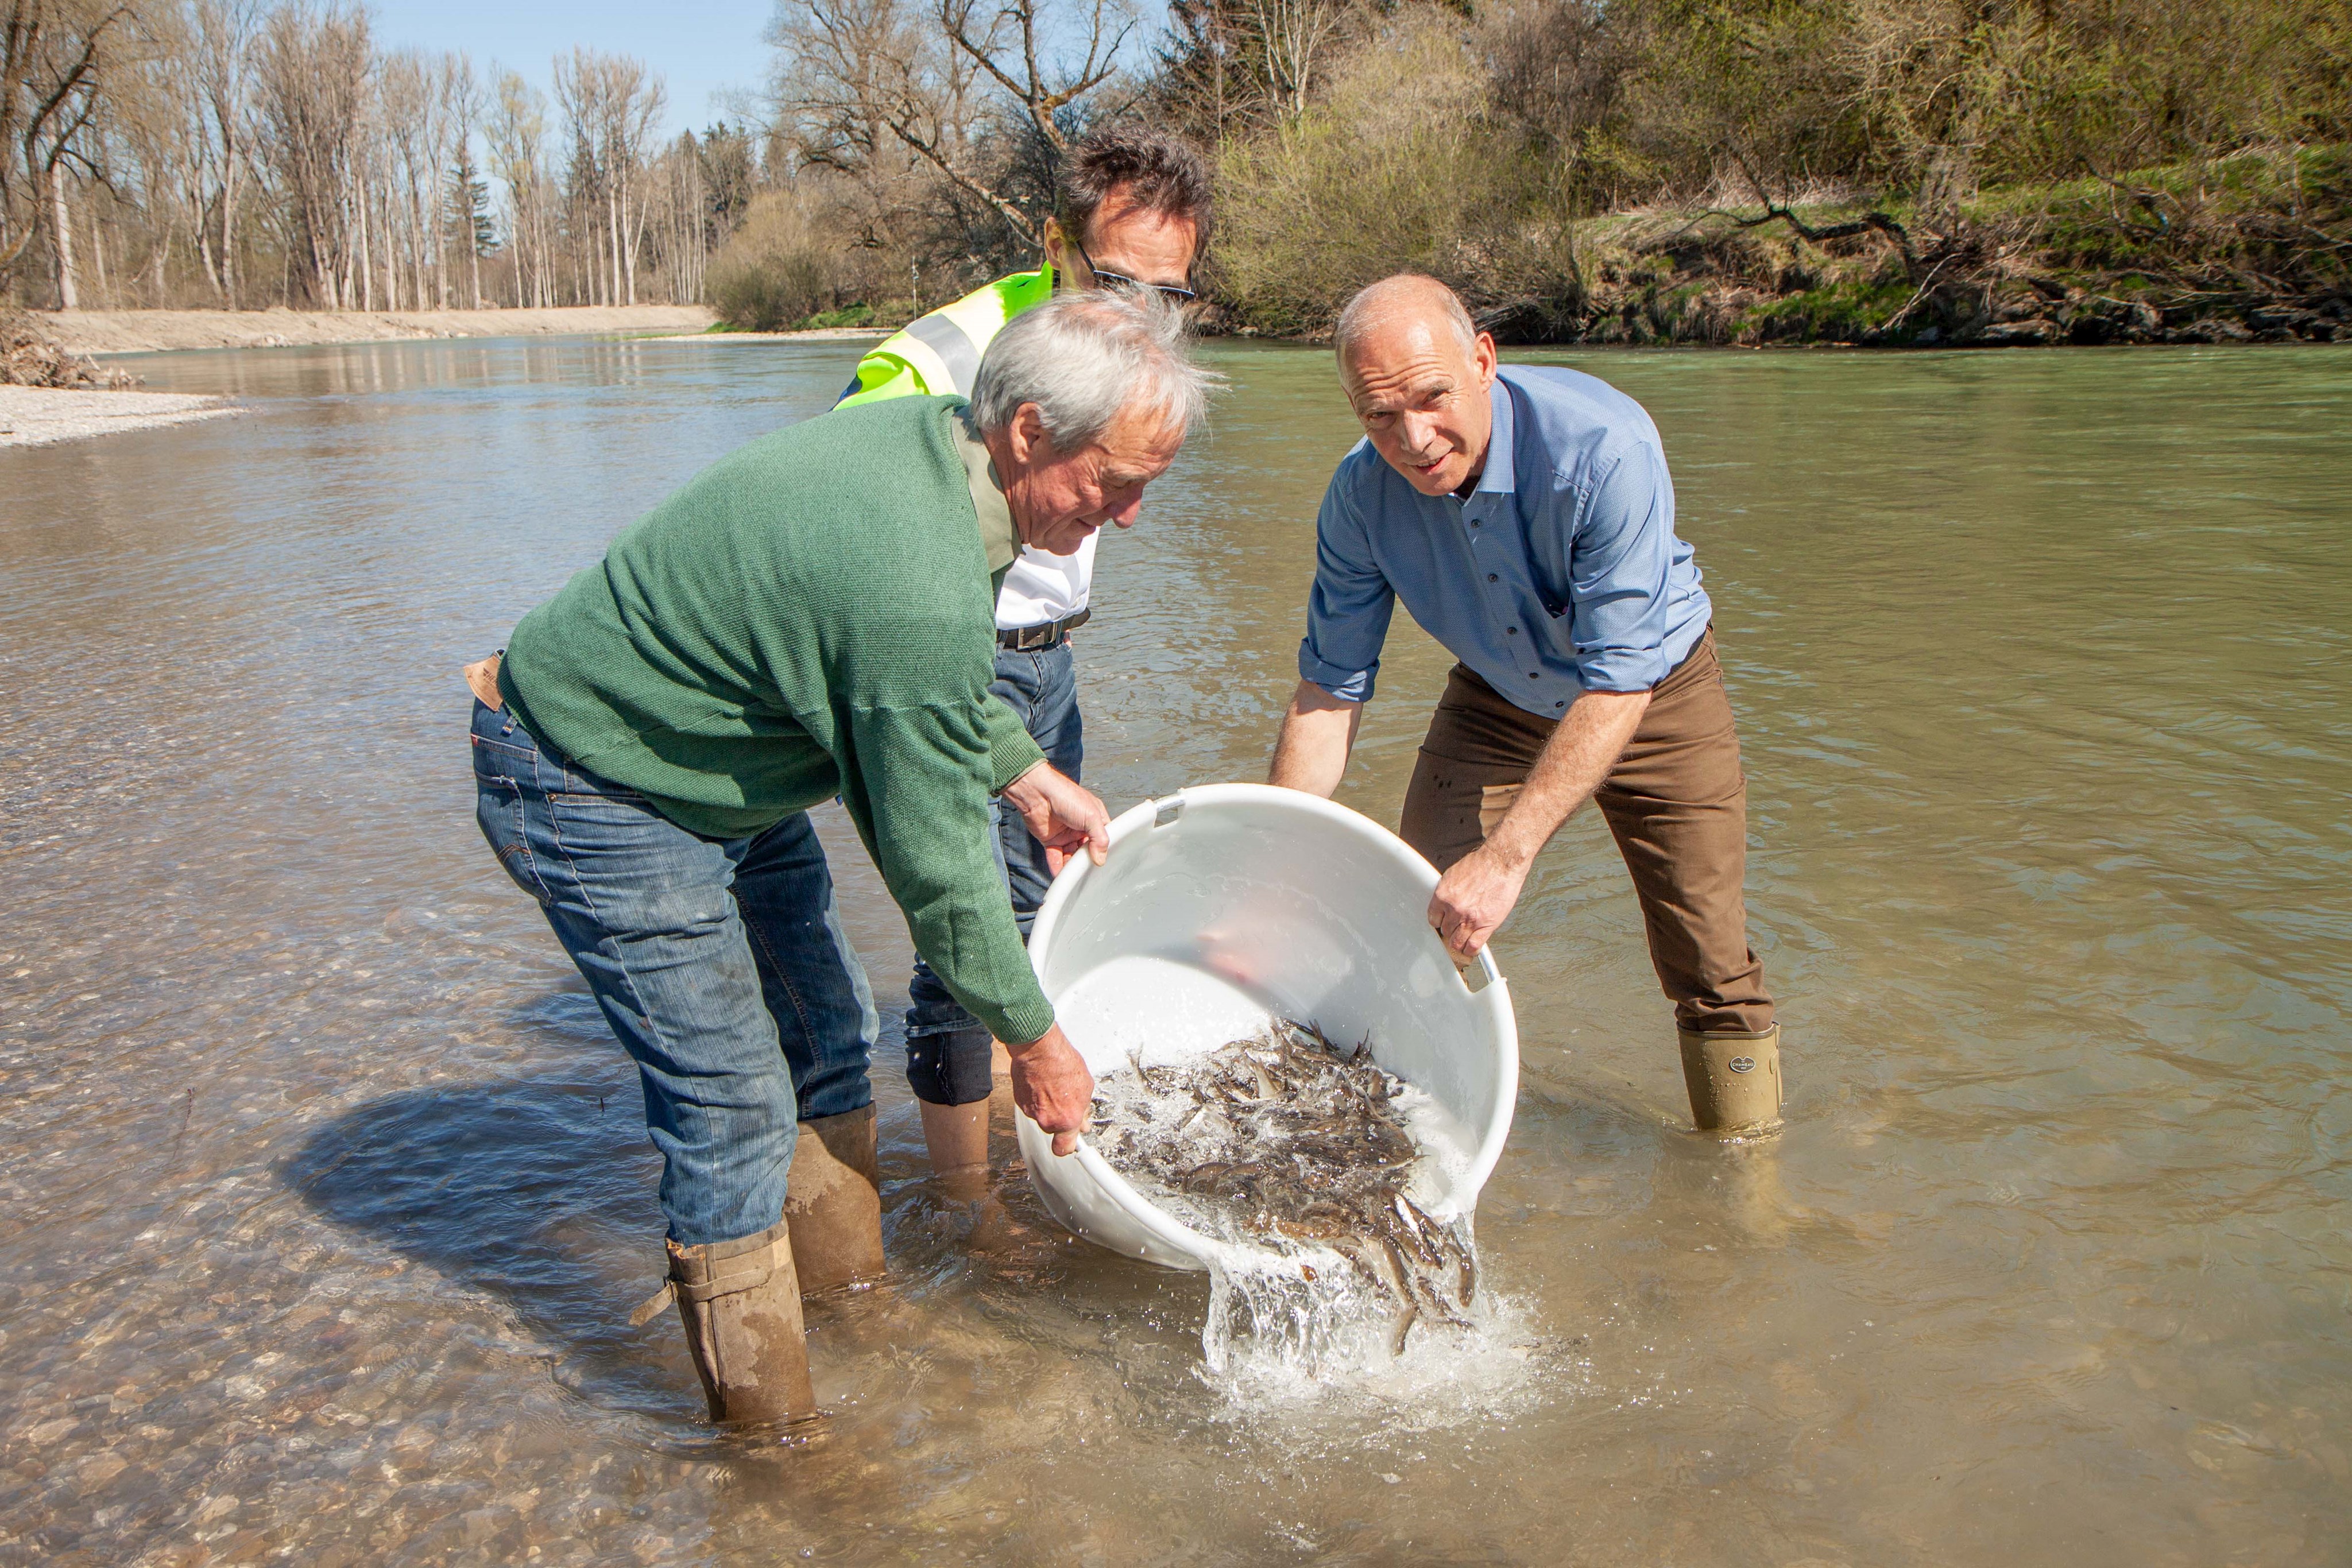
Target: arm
x=916 y=779
x=1347 y=612
x=1318 y=733
x=1618 y=562
x=1477 y=893
x=1050 y=1080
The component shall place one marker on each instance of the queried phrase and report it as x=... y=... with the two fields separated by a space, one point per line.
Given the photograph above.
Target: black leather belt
x=1023 y=638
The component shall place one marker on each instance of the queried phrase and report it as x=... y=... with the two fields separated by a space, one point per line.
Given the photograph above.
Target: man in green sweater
x=814 y=615
x=1131 y=211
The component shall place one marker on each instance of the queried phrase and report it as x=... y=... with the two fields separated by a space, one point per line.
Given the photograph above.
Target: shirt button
x=1559 y=704
x=1533 y=676
x=1510 y=630
x=1490 y=577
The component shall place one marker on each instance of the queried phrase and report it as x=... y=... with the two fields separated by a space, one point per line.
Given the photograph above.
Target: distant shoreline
x=154 y=332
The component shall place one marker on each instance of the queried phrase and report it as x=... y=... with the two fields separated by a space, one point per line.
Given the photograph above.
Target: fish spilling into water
x=1285 y=1139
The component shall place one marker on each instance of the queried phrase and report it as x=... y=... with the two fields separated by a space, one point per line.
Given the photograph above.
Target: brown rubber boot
x=956 y=1136
x=834 y=1201
x=1734 y=1080
x=740 y=1303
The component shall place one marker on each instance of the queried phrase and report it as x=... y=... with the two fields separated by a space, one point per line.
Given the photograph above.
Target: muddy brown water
x=326 y=1196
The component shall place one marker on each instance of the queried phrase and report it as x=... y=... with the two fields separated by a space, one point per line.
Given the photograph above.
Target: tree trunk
x=612 y=215
x=205 y=255
x=629 y=237
x=367 y=256
x=61 y=238
x=228 y=220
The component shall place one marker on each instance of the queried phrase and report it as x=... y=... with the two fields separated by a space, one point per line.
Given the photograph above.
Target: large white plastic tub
x=1227 y=904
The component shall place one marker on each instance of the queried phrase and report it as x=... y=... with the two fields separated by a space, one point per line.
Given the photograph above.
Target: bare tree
x=52 y=54
x=462 y=98
x=1006 y=47
x=579 y=95
x=859 y=80
x=633 y=99
x=517 y=134
x=225 y=34
x=310 y=79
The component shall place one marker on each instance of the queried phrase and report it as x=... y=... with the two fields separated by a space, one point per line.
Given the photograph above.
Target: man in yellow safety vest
x=1132 y=212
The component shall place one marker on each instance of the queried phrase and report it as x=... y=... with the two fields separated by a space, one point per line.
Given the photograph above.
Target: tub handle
x=1169 y=809
x=1481 y=973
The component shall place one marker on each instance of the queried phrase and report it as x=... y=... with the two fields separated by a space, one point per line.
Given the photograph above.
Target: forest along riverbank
x=150 y=332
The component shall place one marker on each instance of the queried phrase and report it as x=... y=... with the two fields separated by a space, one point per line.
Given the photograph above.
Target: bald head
x=1417 y=374
x=1407 y=302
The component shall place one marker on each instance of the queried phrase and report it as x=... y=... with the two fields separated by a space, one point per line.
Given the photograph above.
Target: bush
x=1397 y=168
x=860 y=315
x=775 y=272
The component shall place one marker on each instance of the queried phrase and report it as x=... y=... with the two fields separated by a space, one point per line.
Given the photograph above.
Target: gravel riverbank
x=37 y=416
x=148 y=331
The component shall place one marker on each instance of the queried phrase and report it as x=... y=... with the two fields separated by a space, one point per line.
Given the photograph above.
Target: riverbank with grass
x=2252 y=248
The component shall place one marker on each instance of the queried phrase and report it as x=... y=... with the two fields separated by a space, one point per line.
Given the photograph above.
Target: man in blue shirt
x=1525 y=518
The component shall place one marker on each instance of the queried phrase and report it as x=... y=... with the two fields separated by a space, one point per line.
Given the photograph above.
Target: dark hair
x=1159 y=173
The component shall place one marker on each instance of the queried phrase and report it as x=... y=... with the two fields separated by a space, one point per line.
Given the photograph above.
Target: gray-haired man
x=814 y=615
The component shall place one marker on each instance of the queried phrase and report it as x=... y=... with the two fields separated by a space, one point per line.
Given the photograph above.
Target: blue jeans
x=947 y=1048
x=722 y=967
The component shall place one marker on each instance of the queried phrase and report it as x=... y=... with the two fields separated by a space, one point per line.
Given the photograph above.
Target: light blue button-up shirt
x=1559 y=575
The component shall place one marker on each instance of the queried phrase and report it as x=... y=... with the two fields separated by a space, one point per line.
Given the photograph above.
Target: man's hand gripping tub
x=1050 y=1080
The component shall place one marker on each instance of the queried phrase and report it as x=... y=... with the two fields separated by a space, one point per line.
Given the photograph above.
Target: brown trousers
x=1676 y=802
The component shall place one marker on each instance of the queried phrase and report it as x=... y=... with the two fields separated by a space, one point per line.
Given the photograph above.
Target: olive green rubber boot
x=834 y=1201
x=740 y=1303
x=1734 y=1080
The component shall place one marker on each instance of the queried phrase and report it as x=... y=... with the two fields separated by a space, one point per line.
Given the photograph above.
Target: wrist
x=1505 y=850
x=1029 y=1048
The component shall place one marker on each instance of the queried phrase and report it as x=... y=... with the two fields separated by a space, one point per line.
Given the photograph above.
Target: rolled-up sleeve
x=1618 y=566
x=1349 y=607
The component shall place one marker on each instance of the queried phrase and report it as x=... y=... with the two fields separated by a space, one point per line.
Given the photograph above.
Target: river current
x=326 y=1196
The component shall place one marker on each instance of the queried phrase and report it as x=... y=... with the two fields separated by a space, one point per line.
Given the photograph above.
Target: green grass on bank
x=888 y=315
x=2261 y=237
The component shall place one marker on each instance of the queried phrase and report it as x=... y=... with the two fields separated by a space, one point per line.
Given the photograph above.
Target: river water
x=326 y=1197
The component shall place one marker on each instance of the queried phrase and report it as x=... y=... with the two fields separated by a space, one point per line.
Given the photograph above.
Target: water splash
x=1303 y=1176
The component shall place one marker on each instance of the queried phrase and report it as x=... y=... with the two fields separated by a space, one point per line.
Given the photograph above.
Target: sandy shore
x=36 y=416
x=145 y=331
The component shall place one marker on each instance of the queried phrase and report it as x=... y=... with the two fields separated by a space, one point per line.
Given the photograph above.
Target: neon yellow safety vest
x=940 y=353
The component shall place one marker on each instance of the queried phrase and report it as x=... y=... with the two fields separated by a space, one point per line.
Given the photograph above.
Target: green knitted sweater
x=811 y=615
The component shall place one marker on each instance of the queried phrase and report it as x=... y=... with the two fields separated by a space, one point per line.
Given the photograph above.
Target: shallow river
x=327 y=1199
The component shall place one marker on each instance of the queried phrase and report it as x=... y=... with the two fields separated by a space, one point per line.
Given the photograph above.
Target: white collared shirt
x=1042 y=588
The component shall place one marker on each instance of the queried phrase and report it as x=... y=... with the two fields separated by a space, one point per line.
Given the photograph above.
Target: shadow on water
x=538 y=1193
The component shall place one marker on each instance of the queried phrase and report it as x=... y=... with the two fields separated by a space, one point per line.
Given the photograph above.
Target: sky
x=702 y=49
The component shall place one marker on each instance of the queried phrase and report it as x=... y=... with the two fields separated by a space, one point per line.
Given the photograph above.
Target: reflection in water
x=328 y=1199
